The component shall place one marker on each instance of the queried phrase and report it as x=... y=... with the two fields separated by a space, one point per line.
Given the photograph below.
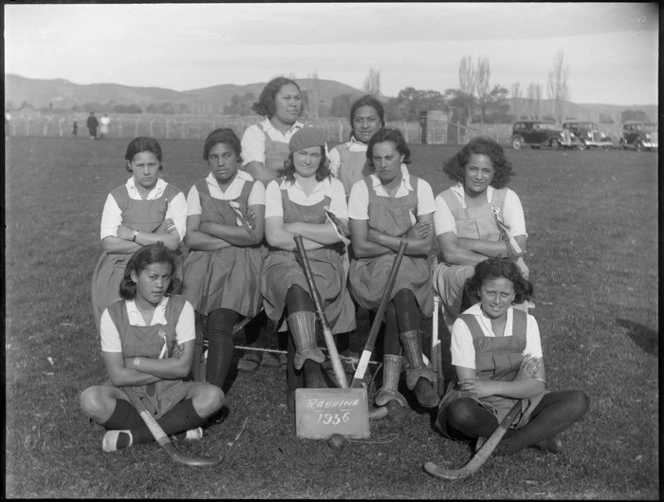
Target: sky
x=611 y=49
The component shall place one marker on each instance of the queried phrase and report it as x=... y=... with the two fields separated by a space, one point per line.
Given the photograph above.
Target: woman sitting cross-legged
x=147 y=342
x=497 y=353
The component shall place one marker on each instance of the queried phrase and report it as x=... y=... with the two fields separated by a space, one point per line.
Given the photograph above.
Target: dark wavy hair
x=455 y=166
x=495 y=268
x=147 y=255
x=226 y=136
x=143 y=144
x=322 y=172
x=265 y=105
x=371 y=101
x=388 y=134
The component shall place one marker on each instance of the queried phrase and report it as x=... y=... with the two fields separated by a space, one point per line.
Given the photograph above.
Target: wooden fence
x=198 y=127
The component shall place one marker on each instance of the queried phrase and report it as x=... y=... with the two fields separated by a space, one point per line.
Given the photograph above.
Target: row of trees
x=474 y=100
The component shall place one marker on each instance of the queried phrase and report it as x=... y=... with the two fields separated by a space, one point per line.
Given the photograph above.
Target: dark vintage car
x=539 y=133
x=588 y=134
x=639 y=135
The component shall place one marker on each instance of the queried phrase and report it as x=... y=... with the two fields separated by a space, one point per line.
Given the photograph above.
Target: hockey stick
x=327 y=332
x=436 y=354
x=481 y=456
x=375 y=326
x=161 y=437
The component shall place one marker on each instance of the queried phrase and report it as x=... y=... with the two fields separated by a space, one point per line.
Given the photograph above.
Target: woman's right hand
x=522 y=267
x=421 y=230
x=166 y=226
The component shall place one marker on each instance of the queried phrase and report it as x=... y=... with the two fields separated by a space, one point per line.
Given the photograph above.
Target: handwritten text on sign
x=319 y=413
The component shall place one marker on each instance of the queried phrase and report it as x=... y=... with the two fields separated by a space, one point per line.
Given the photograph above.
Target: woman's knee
x=208 y=399
x=579 y=403
x=95 y=401
x=461 y=411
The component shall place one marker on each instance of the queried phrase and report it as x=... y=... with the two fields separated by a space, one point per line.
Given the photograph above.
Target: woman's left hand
x=481 y=388
x=421 y=230
x=178 y=350
x=125 y=232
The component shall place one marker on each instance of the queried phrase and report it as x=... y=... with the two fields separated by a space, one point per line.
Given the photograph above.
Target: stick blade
x=202 y=461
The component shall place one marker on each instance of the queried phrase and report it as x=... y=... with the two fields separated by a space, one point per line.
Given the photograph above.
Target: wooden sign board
x=319 y=413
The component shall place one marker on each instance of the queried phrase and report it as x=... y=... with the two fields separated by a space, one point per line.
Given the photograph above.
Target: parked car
x=588 y=134
x=639 y=135
x=538 y=133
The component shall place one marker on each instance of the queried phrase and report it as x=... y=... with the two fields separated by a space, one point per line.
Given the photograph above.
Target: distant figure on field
x=497 y=355
x=74 y=128
x=8 y=119
x=92 y=125
x=103 y=129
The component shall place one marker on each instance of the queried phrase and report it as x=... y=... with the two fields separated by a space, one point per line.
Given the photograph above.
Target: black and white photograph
x=390 y=250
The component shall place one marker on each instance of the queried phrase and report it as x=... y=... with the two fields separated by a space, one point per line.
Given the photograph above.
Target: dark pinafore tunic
x=227 y=278
x=368 y=276
x=282 y=270
x=496 y=358
x=148 y=341
x=353 y=167
x=276 y=153
x=141 y=215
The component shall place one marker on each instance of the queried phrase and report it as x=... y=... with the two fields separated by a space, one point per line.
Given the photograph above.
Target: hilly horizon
x=62 y=94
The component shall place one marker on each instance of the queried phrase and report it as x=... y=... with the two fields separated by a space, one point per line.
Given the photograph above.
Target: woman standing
x=145 y=210
x=497 y=354
x=223 y=268
x=467 y=220
x=265 y=145
x=385 y=207
x=147 y=341
x=264 y=150
x=297 y=204
x=348 y=161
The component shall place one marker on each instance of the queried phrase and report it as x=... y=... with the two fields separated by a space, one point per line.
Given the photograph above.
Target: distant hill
x=63 y=94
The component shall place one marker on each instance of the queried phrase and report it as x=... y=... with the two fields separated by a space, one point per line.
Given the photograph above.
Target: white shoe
x=194 y=434
x=117 y=440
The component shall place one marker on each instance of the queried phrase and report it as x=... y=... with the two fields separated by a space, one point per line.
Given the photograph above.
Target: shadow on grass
x=645 y=338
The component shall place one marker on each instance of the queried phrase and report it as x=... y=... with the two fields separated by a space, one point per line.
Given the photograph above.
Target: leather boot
x=302 y=326
x=419 y=377
x=391 y=373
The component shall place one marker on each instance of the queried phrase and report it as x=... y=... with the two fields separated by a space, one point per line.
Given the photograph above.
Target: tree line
x=475 y=100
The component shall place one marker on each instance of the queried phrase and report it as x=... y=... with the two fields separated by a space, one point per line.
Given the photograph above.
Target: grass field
x=592 y=250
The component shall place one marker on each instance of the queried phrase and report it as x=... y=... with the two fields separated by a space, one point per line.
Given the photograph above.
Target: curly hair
x=388 y=134
x=371 y=101
x=495 y=268
x=226 y=136
x=322 y=172
x=147 y=255
x=142 y=144
x=265 y=105
x=455 y=166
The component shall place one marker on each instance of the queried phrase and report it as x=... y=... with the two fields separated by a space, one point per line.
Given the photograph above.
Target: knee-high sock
x=555 y=413
x=220 y=345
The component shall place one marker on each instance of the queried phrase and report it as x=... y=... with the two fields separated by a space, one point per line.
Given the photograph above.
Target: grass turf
x=592 y=251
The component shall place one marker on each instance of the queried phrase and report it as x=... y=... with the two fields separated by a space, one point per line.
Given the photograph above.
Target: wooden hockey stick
x=327 y=332
x=161 y=437
x=481 y=456
x=375 y=326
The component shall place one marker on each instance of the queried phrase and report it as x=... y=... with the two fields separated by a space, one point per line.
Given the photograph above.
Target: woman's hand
x=166 y=226
x=250 y=219
x=178 y=351
x=421 y=230
x=481 y=388
x=126 y=233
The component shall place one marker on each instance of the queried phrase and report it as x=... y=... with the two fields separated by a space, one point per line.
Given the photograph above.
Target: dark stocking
x=220 y=345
